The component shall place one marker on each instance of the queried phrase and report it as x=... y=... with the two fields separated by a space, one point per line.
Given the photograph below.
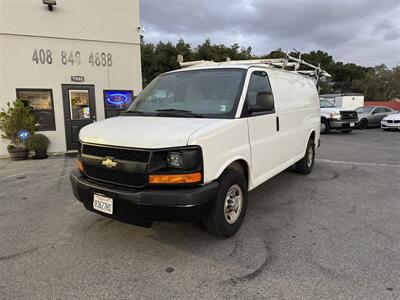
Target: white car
x=195 y=141
x=391 y=122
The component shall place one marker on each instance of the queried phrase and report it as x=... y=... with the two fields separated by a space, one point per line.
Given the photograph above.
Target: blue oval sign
x=23 y=135
x=117 y=99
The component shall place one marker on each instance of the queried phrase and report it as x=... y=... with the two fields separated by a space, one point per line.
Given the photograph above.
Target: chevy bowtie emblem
x=109 y=163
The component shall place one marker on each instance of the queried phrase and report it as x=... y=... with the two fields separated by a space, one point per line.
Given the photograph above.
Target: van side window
x=258 y=83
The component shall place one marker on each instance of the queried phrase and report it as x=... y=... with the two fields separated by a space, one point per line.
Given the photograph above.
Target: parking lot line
x=356 y=163
x=18 y=174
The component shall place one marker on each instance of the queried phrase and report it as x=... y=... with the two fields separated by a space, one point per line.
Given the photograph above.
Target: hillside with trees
x=377 y=83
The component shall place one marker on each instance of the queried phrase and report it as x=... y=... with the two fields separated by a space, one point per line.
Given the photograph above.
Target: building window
x=42 y=105
x=80 y=108
x=116 y=101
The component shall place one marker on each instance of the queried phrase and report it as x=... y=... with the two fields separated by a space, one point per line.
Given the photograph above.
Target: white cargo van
x=195 y=141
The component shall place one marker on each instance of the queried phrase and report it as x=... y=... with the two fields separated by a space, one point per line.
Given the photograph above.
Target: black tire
x=363 y=124
x=347 y=131
x=325 y=126
x=305 y=166
x=216 y=222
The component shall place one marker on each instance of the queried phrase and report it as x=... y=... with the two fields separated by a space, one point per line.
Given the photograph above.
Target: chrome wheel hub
x=233 y=204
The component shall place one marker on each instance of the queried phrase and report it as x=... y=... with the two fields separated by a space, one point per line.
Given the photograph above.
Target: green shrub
x=11 y=147
x=14 y=119
x=37 y=142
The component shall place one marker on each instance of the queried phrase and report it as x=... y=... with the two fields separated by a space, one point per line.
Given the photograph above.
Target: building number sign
x=72 y=58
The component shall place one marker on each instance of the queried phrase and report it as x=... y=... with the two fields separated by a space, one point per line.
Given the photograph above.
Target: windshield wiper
x=133 y=112
x=181 y=112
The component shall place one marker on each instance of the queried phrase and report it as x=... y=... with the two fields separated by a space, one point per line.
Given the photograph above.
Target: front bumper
x=342 y=124
x=142 y=207
x=390 y=125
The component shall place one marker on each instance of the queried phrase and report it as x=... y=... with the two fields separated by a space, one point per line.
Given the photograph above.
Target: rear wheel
x=306 y=164
x=363 y=124
x=230 y=207
x=324 y=126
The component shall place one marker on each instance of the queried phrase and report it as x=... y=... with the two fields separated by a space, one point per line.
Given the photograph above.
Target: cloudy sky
x=366 y=32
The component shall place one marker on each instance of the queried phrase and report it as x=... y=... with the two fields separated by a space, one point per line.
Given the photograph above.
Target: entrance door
x=79 y=110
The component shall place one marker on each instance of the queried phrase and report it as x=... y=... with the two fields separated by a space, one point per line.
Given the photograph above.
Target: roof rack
x=288 y=63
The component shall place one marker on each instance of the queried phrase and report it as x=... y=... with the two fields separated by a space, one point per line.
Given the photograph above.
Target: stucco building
x=73 y=63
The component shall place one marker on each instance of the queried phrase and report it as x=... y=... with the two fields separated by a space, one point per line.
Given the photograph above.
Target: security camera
x=141 y=29
x=50 y=3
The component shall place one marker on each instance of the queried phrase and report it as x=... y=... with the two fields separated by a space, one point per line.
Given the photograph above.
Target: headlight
x=335 y=115
x=184 y=159
x=175 y=160
x=176 y=166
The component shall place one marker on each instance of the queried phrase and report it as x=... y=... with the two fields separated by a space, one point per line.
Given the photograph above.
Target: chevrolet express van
x=195 y=141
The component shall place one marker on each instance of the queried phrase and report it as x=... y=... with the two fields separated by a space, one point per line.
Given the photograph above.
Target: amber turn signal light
x=79 y=165
x=175 y=178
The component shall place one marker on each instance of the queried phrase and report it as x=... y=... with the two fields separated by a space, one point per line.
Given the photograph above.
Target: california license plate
x=103 y=204
x=352 y=124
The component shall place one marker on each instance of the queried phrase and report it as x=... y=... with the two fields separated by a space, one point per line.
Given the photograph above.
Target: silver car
x=369 y=116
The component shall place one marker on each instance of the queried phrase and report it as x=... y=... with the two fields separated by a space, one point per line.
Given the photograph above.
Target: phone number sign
x=72 y=58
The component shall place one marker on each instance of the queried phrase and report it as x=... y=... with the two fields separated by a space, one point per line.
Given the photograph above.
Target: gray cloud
x=335 y=26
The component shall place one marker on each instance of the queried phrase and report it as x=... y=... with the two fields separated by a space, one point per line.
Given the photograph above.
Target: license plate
x=352 y=124
x=103 y=204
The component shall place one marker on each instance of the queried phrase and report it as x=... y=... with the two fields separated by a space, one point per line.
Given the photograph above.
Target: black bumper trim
x=339 y=124
x=142 y=207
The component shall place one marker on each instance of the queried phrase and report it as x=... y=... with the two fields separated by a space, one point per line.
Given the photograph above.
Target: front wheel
x=230 y=206
x=306 y=164
x=363 y=124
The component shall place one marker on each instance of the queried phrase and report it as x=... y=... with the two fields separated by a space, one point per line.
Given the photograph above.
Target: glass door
x=79 y=110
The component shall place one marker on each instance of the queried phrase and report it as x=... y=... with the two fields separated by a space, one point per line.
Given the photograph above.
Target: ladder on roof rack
x=283 y=63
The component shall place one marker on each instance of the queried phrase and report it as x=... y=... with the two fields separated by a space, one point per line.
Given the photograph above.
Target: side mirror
x=264 y=102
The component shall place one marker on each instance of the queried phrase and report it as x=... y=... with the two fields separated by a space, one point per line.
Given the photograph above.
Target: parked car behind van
x=336 y=118
x=369 y=116
x=195 y=142
x=392 y=121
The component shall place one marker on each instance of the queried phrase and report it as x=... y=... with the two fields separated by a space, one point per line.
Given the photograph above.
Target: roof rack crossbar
x=283 y=63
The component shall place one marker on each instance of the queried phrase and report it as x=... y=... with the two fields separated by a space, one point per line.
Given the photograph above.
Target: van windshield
x=326 y=104
x=195 y=93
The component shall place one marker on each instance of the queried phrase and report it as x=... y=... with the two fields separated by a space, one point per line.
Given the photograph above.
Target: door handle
x=277 y=123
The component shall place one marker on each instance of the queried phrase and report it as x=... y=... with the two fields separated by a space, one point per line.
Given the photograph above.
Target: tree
x=376 y=83
x=17 y=117
x=381 y=83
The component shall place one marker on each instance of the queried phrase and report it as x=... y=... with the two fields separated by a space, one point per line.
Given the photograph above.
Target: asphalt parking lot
x=332 y=234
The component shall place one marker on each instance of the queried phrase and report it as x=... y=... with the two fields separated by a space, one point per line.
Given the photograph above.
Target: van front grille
x=116 y=153
x=114 y=176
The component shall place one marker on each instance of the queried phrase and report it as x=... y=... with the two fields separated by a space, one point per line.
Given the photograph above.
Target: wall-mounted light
x=50 y=3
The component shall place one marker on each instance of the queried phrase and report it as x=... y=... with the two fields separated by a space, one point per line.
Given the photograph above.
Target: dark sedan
x=369 y=116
